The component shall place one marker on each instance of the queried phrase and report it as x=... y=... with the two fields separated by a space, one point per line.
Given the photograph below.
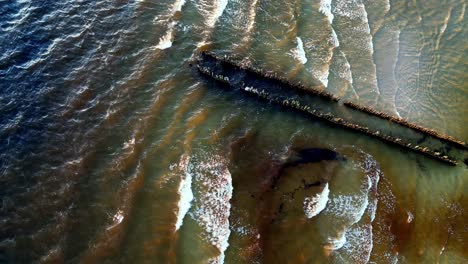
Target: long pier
x=325 y=106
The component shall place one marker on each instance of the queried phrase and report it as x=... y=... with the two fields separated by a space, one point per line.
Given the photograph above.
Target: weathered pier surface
x=322 y=105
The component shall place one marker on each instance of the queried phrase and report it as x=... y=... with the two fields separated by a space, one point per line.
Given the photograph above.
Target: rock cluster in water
x=292 y=103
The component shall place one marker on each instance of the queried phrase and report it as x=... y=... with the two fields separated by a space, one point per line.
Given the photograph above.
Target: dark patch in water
x=309 y=185
x=422 y=139
x=307 y=156
x=310 y=155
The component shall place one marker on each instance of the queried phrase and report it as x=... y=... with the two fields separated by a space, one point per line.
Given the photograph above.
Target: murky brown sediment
x=113 y=149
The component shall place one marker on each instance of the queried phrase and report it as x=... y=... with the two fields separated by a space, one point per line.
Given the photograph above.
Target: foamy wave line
x=356 y=10
x=359 y=240
x=335 y=41
x=166 y=41
x=350 y=209
x=322 y=77
x=219 y=10
x=299 y=51
x=178 y=5
x=250 y=24
x=335 y=243
x=213 y=206
x=314 y=205
x=116 y=219
x=185 y=192
x=355 y=237
x=325 y=8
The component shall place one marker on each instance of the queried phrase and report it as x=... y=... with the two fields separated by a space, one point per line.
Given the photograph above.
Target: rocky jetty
x=277 y=90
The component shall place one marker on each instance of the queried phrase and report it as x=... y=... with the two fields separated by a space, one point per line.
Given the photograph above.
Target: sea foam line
x=299 y=51
x=250 y=24
x=178 y=5
x=314 y=205
x=351 y=208
x=213 y=207
x=212 y=18
x=185 y=192
x=219 y=10
x=166 y=41
x=325 y=8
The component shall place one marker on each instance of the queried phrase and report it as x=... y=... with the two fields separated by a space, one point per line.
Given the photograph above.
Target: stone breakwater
x=236 y=74
x=298 y=86
x=403 y=122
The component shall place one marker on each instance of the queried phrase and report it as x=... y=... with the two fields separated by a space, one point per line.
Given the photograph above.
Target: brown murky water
x=113 y=149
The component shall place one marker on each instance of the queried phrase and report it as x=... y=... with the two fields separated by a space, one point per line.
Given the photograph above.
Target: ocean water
x=114 y=149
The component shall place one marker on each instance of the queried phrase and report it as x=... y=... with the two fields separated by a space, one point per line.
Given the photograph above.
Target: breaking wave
x=352 y=213
x=314 y=205
x=165 y=41
x=212 y=204
x=212 y=10
x=299 y=51
x=185 y=191
x=325 y=8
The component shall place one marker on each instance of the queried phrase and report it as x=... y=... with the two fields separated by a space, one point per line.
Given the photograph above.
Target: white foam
x=356 y=10
x=353 y=214
x=324 y=76
x=335 y=243
x=220 y=6
x=116 y=219
x=325 y=8
x=359 y=243
x=442 y=250
x=369 y=183
x=252 y=15
x=348 y=8
x=212 y=207
x=360 y=40
x=372 y=209
x=344 y=68
x=335 y=41
x=410 y=217
x=178 y=5
x=185 y=192
x=218 y=10
x=315 y=204
x=349 y=207
x=129 y=144
x=166 y=41
x=212 y=10
x=299 y=51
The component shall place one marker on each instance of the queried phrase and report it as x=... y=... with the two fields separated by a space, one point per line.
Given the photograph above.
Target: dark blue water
x=106 y=131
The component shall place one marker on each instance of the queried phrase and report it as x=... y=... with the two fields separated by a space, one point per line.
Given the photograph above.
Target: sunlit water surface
x=113 y=149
